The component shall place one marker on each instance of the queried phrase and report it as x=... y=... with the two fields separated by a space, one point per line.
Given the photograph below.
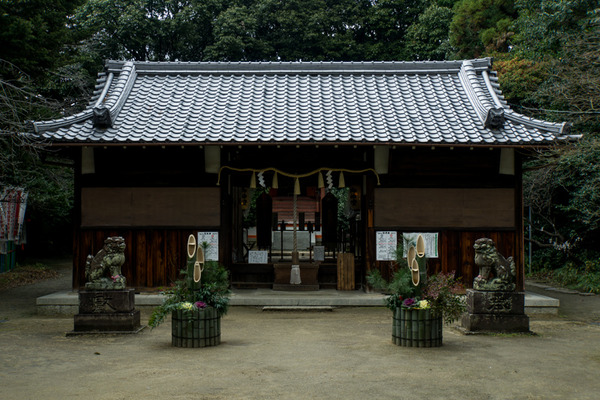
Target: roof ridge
x=107 y=109
x=490 y=112
x=303 y=67
x=557 y=129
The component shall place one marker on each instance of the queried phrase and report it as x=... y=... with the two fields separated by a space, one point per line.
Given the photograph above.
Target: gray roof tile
x=389 y=102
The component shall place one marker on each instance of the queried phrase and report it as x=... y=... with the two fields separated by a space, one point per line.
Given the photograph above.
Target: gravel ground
x=346 y=353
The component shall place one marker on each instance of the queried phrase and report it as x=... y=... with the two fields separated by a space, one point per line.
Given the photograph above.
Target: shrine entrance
x=281 y=219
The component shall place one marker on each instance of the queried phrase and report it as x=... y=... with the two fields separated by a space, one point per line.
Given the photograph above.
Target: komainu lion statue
x=103 y=271
x=496 y=273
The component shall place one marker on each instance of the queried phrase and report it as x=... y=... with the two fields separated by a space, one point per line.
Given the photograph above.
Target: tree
x=149 y=30
x=50 y=187
x=427 y=39
x=39 y=79
x=542 y=24
x=561 y=185
x=236 y=39
x=481 y=25
x=35 y=34
x=388 y=22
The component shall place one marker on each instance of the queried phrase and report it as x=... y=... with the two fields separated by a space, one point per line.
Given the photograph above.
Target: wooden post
x=345 y=271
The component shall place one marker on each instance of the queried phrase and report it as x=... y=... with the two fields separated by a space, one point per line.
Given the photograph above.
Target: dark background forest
x=547 y=54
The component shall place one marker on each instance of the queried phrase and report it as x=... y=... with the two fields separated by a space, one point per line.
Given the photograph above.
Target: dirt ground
x=346 y=353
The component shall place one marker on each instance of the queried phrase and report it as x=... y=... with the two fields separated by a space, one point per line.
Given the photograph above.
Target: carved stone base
x=106 y=301
x=108 y=322
x=484 y=302
x=107 y=311
x=495 y=312
x=495 y=323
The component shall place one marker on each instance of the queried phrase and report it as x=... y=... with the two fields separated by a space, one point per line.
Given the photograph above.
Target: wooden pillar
x=519 y=256
x=369 y=217
x=225 y=230
x=78 y=257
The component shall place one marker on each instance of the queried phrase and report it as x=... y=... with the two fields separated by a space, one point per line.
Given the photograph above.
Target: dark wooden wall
x=150 y=206
x=458 y=193
x=456 y=254
x=153 y=258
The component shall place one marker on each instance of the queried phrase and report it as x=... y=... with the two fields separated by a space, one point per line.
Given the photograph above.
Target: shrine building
x=325 y=164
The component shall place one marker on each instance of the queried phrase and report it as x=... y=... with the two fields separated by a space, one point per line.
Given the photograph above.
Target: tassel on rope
x=275 y=184
x=253 y=181
x=320 y=183
x=342 y=182
x=297 y=187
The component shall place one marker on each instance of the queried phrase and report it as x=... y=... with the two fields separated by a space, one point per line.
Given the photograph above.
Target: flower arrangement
x=213 y=291
x=441 y=293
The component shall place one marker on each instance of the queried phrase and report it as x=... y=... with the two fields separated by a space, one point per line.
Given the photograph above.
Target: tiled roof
x=451 y=102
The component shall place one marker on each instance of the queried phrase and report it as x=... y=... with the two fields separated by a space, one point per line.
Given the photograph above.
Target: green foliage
x=562 y=191
x=34 y=33
x=344 y=211
x=442 y=291
x=213 y=290
x=561 y=41
x=387 y=23
x=427 y=39
x=481 y=25
x=250 y=216
x=401 y=283
x=584 y=277
x=519 y=77
x=253 y=30
x=542 y=24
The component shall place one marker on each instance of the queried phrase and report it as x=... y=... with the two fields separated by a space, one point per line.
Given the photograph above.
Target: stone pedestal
x=495 y=311
x=107 y=311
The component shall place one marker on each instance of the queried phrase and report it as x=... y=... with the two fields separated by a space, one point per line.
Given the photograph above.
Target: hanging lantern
x=253 y=181
x=320 y=182
x=342 y=182
x=275 y=184
x=297 y=186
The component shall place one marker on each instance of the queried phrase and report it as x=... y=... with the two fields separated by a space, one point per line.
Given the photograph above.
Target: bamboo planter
x=416 y=328
x=196 y=328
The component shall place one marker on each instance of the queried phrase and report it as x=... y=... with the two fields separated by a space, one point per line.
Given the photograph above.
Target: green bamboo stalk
x=394 y=319
x=421 y=340
x=428 y=328
x=415 y=328
x=408 y=316
x=213 y=330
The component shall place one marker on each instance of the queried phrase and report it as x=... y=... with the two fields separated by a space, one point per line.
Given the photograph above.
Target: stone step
x=66 y=302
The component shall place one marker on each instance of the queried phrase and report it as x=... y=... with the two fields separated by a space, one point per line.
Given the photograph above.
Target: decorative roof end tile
x=101 y=118
x=494 y=118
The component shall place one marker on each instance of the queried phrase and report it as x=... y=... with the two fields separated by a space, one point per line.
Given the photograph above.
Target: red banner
x=13 y=202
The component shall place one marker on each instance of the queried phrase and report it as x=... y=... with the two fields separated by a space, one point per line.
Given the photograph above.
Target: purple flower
x=200 y=304
x=409 y=302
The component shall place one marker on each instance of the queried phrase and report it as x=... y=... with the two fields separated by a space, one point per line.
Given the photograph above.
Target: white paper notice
x=212 y=238
x=387 y=243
